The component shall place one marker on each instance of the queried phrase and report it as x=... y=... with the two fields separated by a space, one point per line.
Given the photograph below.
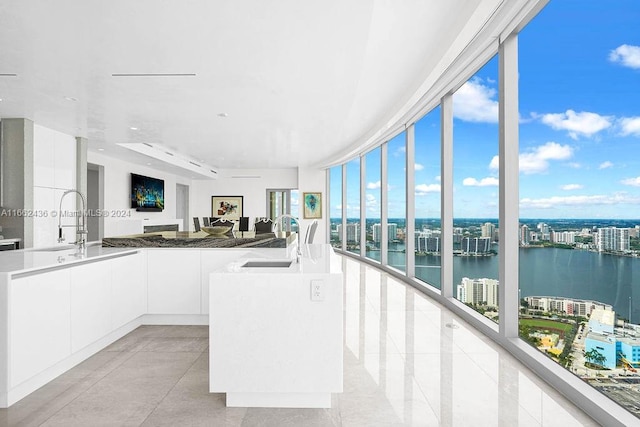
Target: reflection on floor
x=408 y=361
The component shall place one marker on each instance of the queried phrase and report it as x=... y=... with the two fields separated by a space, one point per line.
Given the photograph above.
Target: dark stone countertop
x=200 y=239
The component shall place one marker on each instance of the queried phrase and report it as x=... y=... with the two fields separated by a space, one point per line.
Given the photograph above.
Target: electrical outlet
x=317 y=290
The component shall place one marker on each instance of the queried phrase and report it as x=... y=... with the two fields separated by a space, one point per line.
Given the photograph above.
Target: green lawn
x=546 y=324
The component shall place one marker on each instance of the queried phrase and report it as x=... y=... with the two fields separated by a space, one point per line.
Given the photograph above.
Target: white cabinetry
x=128 y=288
x=90 y=303
x=173 y=281
x=39 y=323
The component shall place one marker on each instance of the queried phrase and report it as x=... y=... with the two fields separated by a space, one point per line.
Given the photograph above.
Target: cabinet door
x=90 y=304
x=128 y=288
x=39 y=319
x=173 y=281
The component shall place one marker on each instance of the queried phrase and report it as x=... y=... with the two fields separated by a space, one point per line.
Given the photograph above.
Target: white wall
x=253 y=190
x=117 y=179
x=249 y=183
x=314 y=180
x=54 y=161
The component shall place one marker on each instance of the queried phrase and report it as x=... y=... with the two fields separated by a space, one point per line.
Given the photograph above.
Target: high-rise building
x=353 y=232
x=478 y=291
x=612 y=239
x=489 y=230
x=525 y=235
x=392 y=232
x=475 y=245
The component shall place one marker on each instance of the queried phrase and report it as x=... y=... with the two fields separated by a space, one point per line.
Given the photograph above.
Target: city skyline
x=579 y=127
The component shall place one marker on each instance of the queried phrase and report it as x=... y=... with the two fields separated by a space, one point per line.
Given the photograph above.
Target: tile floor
x=407 y=361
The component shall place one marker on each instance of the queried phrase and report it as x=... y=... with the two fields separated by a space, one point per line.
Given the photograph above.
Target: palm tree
x=594 y=357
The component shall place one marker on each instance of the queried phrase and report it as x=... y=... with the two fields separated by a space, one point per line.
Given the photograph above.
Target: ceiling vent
x=164 y=154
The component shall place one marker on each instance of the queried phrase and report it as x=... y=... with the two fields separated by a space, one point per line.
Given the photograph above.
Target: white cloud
x=536 y=160
x=605 y=165
x=373 y=185
x=626 y=55
x=569 y=187
x=583 y=123
x=474 y=102
x=370 y=198
x=438 y=178
x=587 y=201
x=423 y=189
x=418 y=167
x=495 y=163
x=574 y=165
x=634 y=182
x=484 y=182
x=630 y=126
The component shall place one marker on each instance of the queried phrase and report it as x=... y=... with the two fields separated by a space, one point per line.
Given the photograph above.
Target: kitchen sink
x=268 y=263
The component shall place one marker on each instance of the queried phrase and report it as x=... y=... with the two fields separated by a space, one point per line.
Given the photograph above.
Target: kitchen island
x=59 y=305
x=200 y=239
x=275 y=330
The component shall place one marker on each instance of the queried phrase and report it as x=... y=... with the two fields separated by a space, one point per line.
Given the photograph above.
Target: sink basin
x=268 y=263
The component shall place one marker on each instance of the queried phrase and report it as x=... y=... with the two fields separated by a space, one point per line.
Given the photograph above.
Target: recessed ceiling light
x=148 y=164
x=133 y=128
x=70 y=98
x=223 y=115
x=100 y=149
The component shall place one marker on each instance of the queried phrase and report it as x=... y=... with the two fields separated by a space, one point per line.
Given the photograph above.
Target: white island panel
x=271 y=344
x=39 y=324
x=90 y=303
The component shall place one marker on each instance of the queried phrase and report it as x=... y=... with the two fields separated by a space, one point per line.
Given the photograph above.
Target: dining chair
x=196 y=223
x=263 y=226
x=205 y=221
x=311 y=231
x=243 y=223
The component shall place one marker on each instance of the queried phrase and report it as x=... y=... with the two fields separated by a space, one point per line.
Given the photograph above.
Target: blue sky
x=579 y=64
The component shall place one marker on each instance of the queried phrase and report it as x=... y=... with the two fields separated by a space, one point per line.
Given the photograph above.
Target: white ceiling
x=299 y=81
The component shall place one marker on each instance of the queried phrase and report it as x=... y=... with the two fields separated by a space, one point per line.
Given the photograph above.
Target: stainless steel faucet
x=80 y=225
x=275 y=228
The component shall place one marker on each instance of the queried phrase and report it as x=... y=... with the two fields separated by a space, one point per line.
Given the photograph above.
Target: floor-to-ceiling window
x=372 y=196
x=396 y=201
x=475 y=197
x=428 y=236
x=352 y=234
x=579 y=232
x=580 y=191
x=335 y=206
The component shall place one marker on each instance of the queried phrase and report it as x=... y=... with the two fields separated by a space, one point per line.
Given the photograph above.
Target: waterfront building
x=475 y=245
x=525 y=235
x=478 y=291
x=353 y=232
x=628 y=348
x=489 y=230
x=602 y=321
x=545 y=231
x=571 y=306
x=566 y=237
x=612 y=239
x=605 y=344
x=427 y=242
x=392 y=232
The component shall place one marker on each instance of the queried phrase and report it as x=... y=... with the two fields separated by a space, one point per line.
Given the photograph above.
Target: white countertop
x=316 y=258
x=28 y=260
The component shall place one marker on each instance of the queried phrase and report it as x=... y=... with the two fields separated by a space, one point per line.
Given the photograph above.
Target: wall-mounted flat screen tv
x=147 y=194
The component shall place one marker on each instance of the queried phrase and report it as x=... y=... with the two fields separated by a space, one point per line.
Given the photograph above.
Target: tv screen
x=147 y=194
